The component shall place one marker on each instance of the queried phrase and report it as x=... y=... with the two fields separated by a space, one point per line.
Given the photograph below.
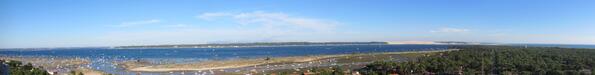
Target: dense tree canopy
x=17 y=68
x=494 y=60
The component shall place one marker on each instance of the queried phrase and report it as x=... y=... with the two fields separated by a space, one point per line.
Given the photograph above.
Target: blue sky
x=76 y=23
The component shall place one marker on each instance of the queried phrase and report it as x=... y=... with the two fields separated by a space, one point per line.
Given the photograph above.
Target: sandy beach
x=241 y=63
x=210 y=65
x=63 y=65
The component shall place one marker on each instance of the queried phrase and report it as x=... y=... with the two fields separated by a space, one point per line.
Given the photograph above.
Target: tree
x=16 y=68
x=493 y=60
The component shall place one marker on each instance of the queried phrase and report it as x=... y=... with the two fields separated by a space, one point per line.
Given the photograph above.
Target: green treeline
x=18 y=68
x=494 y=60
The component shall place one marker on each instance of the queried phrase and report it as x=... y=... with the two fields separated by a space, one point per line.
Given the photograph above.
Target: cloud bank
x=271 y=20
x=256 y=26
x=137 y=23
x=450 y=30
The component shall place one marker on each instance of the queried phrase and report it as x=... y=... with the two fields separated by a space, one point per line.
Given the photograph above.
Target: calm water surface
x=221 y=53
x=101 y=58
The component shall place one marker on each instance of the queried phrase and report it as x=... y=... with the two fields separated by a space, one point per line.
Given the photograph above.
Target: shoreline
x=217 y=64
x=63 y=65
x=241 y=63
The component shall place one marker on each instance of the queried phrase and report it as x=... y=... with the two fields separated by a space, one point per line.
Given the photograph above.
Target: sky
x=90 y=23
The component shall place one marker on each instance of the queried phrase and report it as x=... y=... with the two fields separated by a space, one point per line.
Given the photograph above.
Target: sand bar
x=239 y=63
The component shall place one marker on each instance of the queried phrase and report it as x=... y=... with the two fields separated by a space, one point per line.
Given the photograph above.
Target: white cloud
x=272 y=20
x=179 y=25
x=137 y=23
x=211 y=16
x=204 y=35
x=247 y=27
x=450 y=30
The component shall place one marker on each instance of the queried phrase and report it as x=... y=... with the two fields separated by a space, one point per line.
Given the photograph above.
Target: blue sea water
x=220 y=53
x=102 y=58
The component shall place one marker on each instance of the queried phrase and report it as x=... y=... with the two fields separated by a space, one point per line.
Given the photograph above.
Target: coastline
x=63 y=65
x=241 y=63
x=225 y=64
